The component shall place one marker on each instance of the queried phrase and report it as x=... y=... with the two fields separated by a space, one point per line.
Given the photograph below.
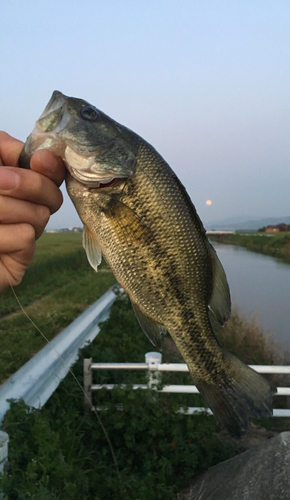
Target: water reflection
x=260 y=286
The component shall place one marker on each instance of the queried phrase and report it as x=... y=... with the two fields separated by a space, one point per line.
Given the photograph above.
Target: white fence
x=153 y=364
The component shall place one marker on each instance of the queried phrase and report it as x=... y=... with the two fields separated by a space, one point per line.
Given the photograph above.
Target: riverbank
x=275 y=245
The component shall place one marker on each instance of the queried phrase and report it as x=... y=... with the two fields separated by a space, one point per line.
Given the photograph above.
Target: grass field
x=55 y=452
x=58 y=285
x=276 y=245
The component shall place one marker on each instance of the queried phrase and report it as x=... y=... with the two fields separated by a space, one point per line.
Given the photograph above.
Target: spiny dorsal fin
x=92 y=248
x=153 y=330
x=220 y=301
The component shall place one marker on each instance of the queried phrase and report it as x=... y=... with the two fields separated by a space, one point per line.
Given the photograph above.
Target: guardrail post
x=153 y=359
x=87 y=386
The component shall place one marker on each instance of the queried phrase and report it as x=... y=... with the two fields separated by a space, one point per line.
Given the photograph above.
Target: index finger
x=10 y=149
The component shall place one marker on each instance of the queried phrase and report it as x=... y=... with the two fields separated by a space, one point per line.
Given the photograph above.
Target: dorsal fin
x=220 y=301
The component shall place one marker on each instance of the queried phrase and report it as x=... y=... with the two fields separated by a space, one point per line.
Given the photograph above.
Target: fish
x=139 y=216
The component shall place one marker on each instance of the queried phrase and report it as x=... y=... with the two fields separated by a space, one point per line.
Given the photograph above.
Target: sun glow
x=208 y=202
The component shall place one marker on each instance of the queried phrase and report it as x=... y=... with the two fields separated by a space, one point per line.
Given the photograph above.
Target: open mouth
x=89 y=178
x=117 y=183
x=92 y=183
x=101 y=185
x=107 y=184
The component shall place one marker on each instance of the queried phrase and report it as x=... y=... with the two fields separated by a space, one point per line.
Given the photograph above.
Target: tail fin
x=242 y=394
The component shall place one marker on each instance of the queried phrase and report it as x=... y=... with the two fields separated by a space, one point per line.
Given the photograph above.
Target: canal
x=260 y=288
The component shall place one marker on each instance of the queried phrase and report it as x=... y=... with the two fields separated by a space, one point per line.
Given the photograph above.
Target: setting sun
x=208 y=202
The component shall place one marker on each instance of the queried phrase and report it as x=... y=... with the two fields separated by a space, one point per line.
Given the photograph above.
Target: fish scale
x=147 y=228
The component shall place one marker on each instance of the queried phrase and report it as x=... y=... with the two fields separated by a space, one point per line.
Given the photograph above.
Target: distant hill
x=246 y=223
x=65 y=230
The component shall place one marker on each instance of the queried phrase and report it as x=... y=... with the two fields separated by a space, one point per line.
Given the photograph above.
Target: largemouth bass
x=137 y=214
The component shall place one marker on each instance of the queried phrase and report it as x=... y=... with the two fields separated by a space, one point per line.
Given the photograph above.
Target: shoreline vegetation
x=56 y=452
x=275 y=244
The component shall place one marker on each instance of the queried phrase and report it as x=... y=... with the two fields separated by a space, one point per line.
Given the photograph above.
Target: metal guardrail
x=36 y=381
x=4 y=439
x=153 y=364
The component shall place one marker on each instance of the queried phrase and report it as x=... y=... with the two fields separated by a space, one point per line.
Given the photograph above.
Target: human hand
x=27 y=199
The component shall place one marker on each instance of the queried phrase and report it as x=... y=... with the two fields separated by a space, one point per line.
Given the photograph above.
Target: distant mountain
x=65 y=230
x=246 y=223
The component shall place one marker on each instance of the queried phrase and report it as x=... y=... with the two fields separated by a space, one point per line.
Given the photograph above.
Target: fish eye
x=88 y=113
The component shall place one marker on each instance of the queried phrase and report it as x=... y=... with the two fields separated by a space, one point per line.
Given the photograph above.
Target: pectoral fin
x=153 y=330
x=130 y=226
x=92 y=248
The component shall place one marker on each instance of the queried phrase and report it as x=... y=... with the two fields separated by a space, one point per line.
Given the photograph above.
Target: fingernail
x=8 y=179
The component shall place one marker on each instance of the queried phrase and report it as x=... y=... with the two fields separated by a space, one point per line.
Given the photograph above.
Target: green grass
x=57 y=287
x=56 y=452
x=59 y=258
x=276 y=245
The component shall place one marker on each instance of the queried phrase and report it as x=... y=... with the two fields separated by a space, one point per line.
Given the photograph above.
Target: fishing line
x=81 y=388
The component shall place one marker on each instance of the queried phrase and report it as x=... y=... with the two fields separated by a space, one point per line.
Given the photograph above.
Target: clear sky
x=207 y=83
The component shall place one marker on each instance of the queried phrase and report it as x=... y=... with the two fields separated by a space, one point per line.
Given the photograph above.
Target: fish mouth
x=85 y=170
x=114 y=184
x=89 y=179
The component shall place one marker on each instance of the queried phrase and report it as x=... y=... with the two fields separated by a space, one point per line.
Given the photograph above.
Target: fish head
x=96 y=150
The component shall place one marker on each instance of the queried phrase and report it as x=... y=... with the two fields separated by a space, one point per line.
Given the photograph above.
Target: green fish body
x=137 y=214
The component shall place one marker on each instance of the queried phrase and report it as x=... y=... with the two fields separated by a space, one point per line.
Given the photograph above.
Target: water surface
x=260 y=286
